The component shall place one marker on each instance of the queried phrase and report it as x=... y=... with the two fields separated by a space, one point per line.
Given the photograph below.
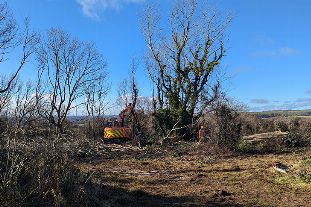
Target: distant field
x=286 y=113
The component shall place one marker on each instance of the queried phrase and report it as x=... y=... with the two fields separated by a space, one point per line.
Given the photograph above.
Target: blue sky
x=267 y=65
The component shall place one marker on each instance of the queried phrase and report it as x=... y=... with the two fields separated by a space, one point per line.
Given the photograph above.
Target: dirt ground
x=184 y=175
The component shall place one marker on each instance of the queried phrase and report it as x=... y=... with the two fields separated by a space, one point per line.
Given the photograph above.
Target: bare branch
x=68 y=68
x=10 y=40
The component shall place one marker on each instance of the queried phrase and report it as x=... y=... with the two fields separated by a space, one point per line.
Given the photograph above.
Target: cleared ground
x=184 y=175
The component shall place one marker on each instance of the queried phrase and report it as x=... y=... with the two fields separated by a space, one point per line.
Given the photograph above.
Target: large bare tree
x=183 y=57
x=67 y=67
x=11 y=38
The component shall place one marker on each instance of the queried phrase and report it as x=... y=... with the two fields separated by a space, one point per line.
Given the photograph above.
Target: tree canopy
x=183 y=57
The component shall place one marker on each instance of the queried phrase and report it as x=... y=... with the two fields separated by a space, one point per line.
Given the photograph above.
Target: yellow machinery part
x=117 y=132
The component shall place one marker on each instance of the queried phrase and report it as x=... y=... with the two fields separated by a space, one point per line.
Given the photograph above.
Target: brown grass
x=205 y=180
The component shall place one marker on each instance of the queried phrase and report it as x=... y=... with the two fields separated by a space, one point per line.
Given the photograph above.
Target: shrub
x=263 y=143
x=40 y=172
x=252 y=124
x=299 y=130
x=224 y=126
x=280 y=125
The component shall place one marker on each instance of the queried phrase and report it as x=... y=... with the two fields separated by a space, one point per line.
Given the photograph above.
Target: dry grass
x=202 y=179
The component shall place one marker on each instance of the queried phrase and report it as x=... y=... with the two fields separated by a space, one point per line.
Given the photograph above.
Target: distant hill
x=83 y=118
x=286 y=113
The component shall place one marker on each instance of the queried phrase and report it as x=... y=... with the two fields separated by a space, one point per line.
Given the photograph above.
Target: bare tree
x=124 y=97
x=10 y=39
x=95 y=102
x=127 y=90
x=67 y=67
x=25 y=105
x=144 y=104
x=183 y=57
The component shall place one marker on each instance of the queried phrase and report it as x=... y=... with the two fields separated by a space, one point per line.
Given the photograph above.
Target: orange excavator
x=120 y=128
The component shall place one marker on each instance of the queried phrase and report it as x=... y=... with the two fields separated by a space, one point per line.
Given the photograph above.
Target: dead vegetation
x=199 y=178
x=75 y=170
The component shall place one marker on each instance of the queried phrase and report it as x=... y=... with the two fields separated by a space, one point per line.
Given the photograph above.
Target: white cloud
x=93 y=8
x=300 y=103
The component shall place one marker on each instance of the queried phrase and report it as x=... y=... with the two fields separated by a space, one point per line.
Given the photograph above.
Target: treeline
x=182 y=62
x=283 y=113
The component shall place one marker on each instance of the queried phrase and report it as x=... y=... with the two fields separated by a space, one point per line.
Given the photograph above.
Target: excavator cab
x=120 y=128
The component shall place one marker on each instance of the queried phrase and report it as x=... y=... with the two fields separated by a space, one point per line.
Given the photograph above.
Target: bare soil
x=194 y=175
